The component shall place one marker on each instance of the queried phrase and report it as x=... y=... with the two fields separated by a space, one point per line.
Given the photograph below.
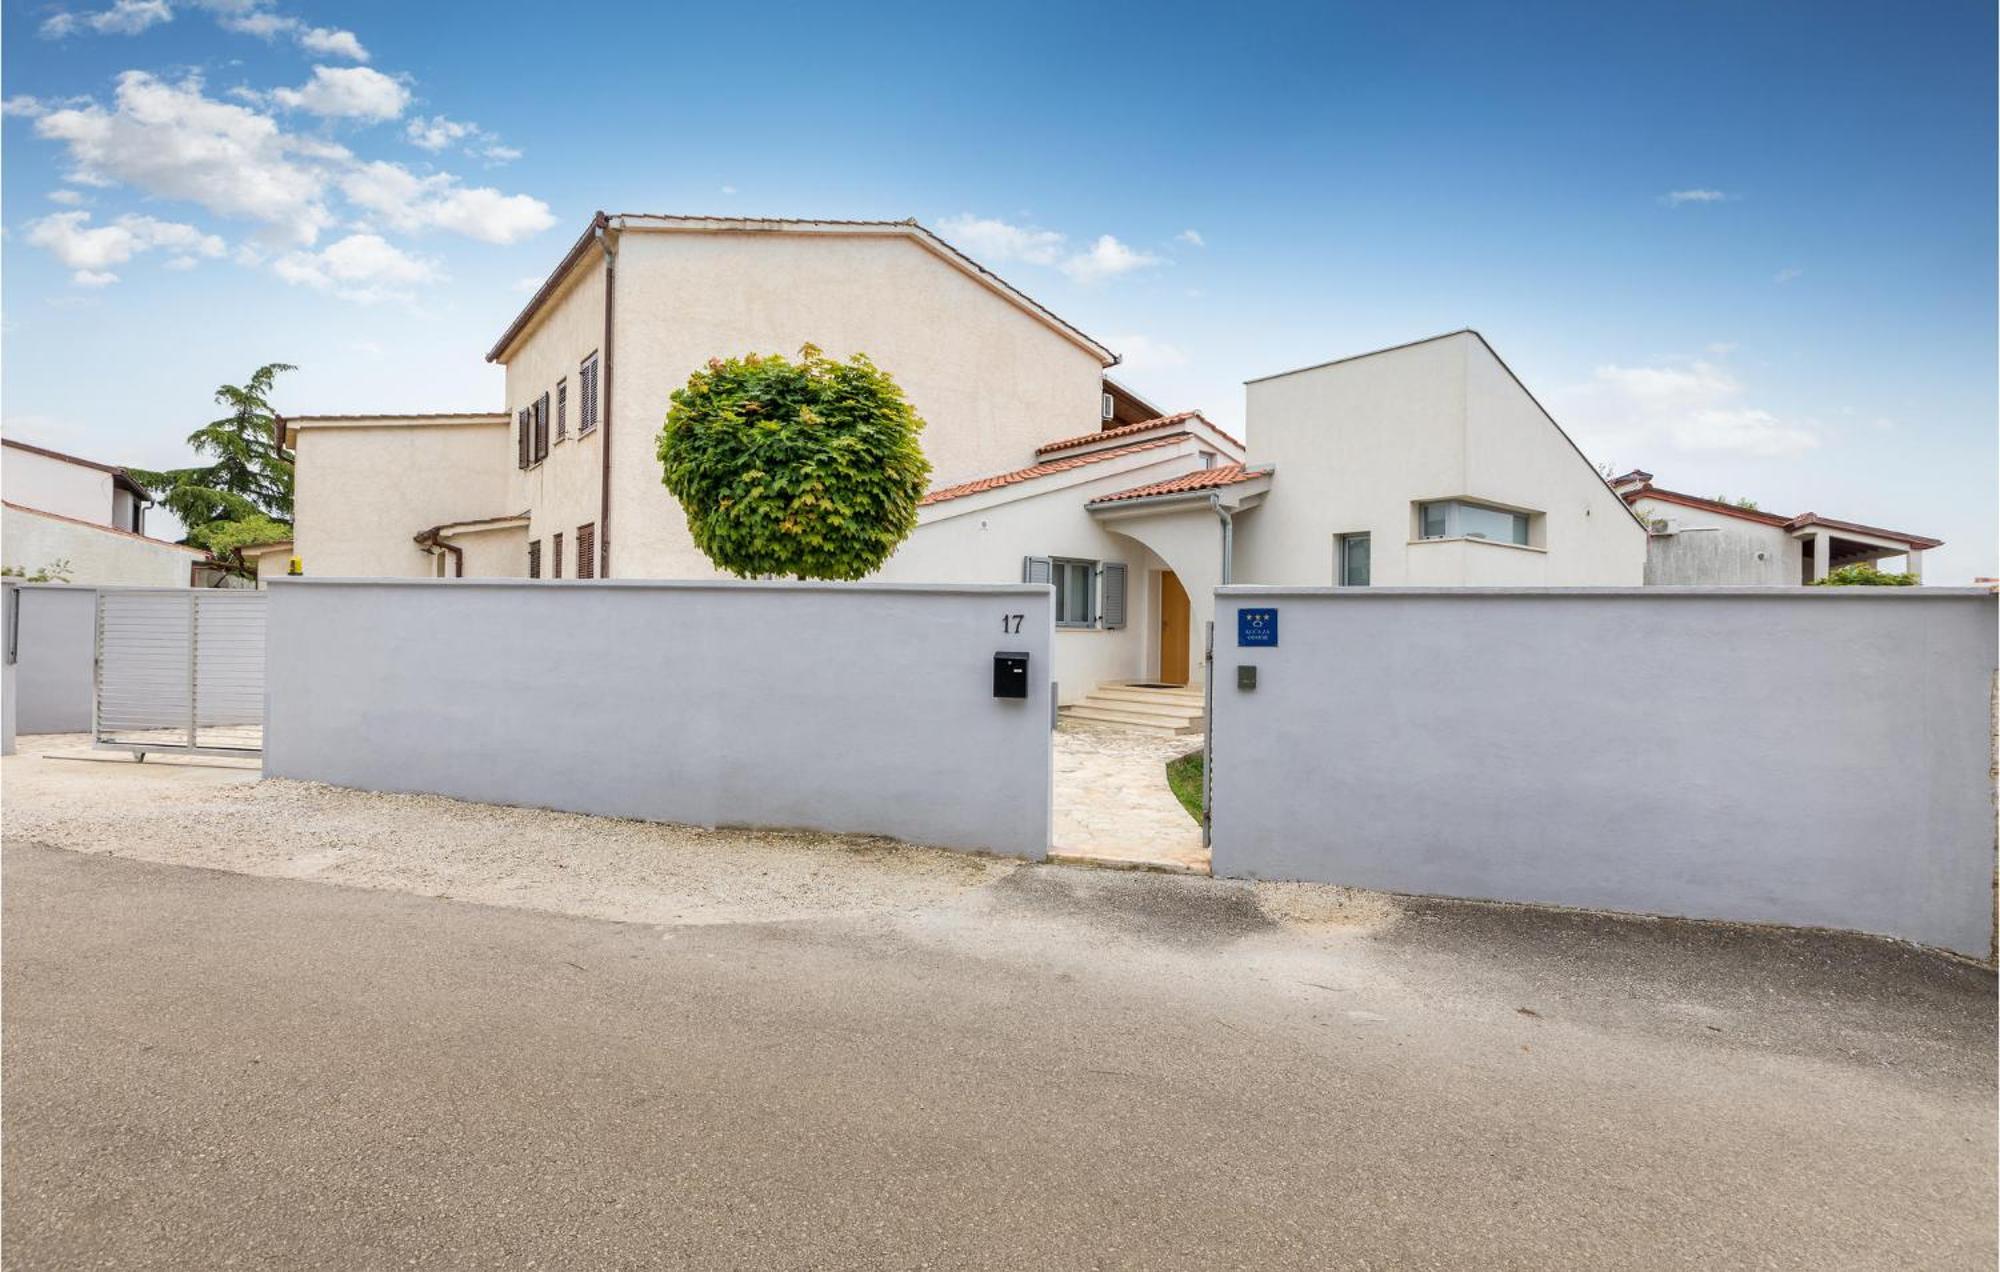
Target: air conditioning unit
x=1109 y=407
x=1664 y=525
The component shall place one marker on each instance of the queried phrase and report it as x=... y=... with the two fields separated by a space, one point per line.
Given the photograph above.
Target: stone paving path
x=1113 y=805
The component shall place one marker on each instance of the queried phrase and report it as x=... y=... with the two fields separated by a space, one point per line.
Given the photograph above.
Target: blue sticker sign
x=1257 y=627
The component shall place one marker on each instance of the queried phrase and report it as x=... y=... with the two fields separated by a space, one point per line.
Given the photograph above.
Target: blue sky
x=1747 y=247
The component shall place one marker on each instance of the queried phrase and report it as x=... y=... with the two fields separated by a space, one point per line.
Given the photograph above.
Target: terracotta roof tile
x=1201 y=479
x=1127 y=430
x=1805 y=519
x=995 y=482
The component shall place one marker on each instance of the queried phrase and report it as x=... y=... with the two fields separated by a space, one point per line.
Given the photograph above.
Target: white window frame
x=1340 y=543
x=1056 y=567
x=1454 y=530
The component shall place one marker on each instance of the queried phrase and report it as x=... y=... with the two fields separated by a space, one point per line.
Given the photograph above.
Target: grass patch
x=1184 y=779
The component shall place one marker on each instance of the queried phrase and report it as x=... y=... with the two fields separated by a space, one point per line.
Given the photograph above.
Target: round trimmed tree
x=807 y=468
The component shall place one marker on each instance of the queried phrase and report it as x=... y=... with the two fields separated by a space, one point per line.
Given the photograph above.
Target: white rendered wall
x=848 y=708
x=1717 y=550
x=55 y=485
x=1358 y=443
x=94 y=553
x=1808 y=756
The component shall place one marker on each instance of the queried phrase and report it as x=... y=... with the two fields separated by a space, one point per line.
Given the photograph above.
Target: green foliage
x=1864 y=575
x=808 y=468
x=249 y=482
x=56 y=571
x=1748 y=505
x=225 y=537
x=1184 y=780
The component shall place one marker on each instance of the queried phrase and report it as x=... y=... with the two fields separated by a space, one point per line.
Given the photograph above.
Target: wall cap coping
x=689 y=585
x=1258 y=590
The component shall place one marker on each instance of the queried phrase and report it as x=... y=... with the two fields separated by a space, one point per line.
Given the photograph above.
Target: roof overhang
x=1236 y=496
x=288 y=426
x=604 y=226
x=453 y=529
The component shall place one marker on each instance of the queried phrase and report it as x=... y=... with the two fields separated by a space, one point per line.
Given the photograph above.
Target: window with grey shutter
x=562 y=409
x=527 y=442
x=1036 y=570
x=541 y=428
x=1111 y=595
x=534 y=558
x=586 y=551
x=555 y=555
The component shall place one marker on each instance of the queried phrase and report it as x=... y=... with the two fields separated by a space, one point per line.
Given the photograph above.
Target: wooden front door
x=1173 y=630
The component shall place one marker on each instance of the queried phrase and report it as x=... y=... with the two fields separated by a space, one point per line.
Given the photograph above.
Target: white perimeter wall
x=56 y=643
x=836 y=707
x=96 y=554
x=1819 y=757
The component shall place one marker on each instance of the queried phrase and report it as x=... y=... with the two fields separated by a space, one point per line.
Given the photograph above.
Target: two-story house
x=1429 y=463
x=84 y=517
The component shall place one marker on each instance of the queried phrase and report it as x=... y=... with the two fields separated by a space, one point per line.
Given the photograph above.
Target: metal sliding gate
x=179 y=669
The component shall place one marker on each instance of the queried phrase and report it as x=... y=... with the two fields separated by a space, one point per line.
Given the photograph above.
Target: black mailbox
x=1010 y=675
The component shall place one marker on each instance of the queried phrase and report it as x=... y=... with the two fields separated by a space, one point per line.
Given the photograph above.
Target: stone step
x=1130 y=719
x=1177 y=711
x=1175 y=691
x=1158 y=697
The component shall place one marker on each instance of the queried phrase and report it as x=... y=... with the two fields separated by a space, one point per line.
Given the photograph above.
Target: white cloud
x=436 y=133
x=1787 y=274
x=90 y=251
x=992 y=240
x=1695 y=407
x=126 y=17
x=1722 y=348
x=347 y=92
x=361 y=267
x=69 y=198
x=407 y=202
x=171 y=141
x=180 y=263
x=328 y=42
x=1676 y=198
x=1107 y=258
x=260 y=23
x=729 y=189
x=1143 y=353
x=22 y=106
x=1192 y=238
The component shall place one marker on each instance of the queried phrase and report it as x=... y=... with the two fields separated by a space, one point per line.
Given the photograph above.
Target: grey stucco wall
x=53 y=671
x=855 y=708
x=1808 y=756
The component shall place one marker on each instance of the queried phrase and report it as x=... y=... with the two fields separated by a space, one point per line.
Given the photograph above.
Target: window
x=586 y=407
x=1075 y=599
x=1457 y=519
x=562 y=415
x=526 y=445
x=534 y=558
x=541 y=428
x=555 y=554
x=1352 y=567
x=586 y=551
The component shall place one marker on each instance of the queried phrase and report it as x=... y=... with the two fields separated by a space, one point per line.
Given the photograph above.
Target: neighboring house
x=1428 y=463
x=268 y=559
x=91 y=516
x=1711 y=542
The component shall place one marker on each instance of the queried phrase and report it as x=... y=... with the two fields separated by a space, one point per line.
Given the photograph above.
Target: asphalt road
x=1065 y=1069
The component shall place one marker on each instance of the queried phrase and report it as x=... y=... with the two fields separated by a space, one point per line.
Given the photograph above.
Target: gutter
x=1228 y=536
x=603 y=228
x=429 y=539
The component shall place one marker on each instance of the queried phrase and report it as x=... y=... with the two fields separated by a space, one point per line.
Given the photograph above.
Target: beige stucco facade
x=1358 y=444
x=366 y=486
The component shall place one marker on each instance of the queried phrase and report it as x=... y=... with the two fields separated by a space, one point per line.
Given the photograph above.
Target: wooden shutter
x=527 y=443
x=586 y=551
x=534 y=558
x=586 y=419
x=555 y=555
x=562 y=412
x=1037 y=570
x=1111 y=594
x=542 y=427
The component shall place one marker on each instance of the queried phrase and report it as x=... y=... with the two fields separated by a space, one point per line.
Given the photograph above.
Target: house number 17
x=1011 y=623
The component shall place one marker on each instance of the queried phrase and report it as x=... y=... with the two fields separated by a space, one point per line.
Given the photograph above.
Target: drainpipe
x=604 y=401
x=429 y=539
x=1228 y=536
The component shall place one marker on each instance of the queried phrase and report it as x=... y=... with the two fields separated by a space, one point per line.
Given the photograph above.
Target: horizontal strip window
x=1458 y=519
